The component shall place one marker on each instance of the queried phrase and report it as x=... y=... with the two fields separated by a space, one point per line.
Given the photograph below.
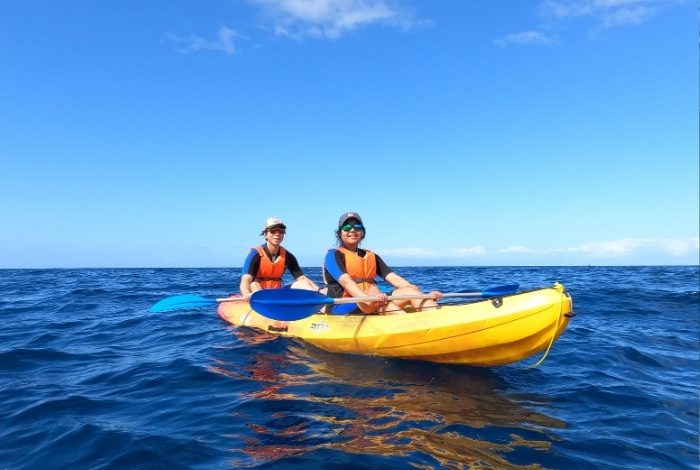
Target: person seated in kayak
x=350 y=271
x=265 y=264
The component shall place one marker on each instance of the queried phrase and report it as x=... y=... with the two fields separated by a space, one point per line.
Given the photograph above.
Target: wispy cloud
x=408 y=252
x=627 y=249
x=328 y=18
x=224 y=42
x=478 y=250
x=608 y=13
x=526 y=38
x=474 y=251
x=637 y=246
x=516 y=249
x=604 y=14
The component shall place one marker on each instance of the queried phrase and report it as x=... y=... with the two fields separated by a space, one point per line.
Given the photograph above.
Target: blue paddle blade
x=501 y=290
x=288 y=304
x=181 y=301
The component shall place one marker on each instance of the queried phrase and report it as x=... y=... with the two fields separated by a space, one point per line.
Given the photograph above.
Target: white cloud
x=223 y=42
x=327 y=18
x=474 y=251
x=516 y=249
x=408 y=252
x=628 y=251
x=608 y=13
x=605 y=14
x=528 y=37
x=626 y=248
x=478 y=250
x=637 y=246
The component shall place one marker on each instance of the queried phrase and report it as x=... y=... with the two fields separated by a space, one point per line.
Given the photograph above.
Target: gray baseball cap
x=349 y=215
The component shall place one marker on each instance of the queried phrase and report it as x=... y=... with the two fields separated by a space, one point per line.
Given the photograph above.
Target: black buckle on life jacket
x=360 y=280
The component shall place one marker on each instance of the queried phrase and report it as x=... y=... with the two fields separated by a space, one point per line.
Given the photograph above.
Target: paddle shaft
x=349 y=300
x=295 y=304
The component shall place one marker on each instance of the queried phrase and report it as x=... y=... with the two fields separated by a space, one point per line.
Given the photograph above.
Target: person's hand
x=437 y=295
x=382 y=298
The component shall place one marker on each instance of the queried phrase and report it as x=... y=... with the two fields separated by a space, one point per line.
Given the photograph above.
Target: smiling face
x=274 y=235
x=351 y=233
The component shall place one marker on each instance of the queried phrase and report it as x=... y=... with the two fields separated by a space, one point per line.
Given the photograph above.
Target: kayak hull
x=486 y=333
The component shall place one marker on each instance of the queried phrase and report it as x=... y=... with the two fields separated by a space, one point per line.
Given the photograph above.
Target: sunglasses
x=275 y=231
x=358 y=227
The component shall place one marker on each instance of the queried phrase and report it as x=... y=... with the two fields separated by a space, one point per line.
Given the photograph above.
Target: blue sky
x=163 y=134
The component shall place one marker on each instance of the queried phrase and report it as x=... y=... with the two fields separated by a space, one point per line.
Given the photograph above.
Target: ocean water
x=90 y=380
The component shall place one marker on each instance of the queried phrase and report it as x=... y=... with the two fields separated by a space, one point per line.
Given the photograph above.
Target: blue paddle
x=295 y=304
x=187 y=301
x=193 y=301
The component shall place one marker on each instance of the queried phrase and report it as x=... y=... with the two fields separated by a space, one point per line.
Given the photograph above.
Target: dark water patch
x=27 y=359
x=633 y=355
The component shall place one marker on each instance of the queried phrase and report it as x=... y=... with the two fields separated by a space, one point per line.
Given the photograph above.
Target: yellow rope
x=559 y=288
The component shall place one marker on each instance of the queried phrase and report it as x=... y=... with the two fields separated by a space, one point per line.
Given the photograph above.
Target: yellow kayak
x=489 y=332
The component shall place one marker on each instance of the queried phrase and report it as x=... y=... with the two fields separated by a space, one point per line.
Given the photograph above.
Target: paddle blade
x=501 y=290
x=288 y=304
x=181 y=301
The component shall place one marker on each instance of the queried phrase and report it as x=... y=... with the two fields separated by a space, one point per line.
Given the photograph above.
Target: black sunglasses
x=347 y=227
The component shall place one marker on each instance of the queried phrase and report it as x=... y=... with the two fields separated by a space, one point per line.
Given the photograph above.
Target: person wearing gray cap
x=350 y=271
x=265 y=265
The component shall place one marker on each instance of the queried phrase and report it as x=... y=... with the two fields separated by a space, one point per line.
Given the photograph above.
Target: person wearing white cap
x=265 y=264
x=350 y=271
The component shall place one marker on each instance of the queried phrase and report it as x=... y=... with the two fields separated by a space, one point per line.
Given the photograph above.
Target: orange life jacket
x=361 y=270
x=270 y=274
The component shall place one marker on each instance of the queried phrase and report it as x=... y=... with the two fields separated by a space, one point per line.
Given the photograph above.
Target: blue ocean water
x=89 y=379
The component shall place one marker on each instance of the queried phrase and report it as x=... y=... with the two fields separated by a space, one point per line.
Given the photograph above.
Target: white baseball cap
x=273 y=221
